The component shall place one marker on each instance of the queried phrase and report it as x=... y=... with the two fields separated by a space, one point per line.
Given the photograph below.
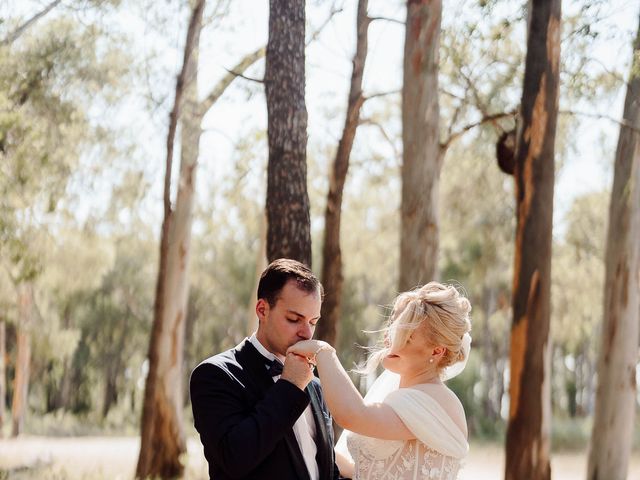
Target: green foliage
x=96 y=281
x=49 y=78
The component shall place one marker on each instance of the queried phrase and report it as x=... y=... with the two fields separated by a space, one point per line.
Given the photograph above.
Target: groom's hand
x=297 y=370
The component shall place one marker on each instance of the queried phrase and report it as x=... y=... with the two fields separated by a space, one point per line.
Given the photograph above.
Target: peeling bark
x=162 y=440
x=287 y=205
x=422 y=156
x=615 y=407
x=527 y=445
x=332 y=277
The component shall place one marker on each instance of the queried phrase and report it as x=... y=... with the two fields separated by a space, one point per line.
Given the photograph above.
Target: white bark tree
x=613 y=424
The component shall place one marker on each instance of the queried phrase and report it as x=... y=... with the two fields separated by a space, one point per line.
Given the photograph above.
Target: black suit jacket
x=245 y=420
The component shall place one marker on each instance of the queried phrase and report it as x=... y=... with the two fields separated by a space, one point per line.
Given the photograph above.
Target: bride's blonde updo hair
x=443 y=314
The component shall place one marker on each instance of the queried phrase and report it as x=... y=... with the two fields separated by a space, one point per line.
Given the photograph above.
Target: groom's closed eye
x=294 y=317
x=296 y=320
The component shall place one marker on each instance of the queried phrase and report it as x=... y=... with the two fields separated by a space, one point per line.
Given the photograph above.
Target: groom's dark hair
x=283 y=270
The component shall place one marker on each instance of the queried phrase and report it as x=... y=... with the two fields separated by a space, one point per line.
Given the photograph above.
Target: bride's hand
x=308 y=348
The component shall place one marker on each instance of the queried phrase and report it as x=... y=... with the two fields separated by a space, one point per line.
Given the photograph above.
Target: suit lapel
x=259 y=381
x=323 y=441
x=254 y=363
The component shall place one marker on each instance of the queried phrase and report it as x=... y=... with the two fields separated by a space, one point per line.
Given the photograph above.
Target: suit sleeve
x=234 y=439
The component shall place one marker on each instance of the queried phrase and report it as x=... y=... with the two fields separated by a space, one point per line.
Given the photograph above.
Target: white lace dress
x=435 y=454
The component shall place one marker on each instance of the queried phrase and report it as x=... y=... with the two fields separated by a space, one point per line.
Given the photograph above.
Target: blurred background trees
x=86 y=89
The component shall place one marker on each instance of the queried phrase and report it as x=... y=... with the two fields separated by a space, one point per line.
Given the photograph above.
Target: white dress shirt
x=304 y=428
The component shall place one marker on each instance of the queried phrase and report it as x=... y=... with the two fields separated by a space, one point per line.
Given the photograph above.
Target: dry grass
x=97 y=458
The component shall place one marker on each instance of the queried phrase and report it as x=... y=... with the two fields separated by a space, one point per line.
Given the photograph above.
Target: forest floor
x=113 y=458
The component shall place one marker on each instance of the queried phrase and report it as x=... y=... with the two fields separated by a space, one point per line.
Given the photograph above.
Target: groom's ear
x=262 y=309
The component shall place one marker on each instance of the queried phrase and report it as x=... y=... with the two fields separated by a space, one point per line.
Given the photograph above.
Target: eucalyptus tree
x=616 y=400
x=528 y=442
x=421 y=159
x=162 y=436
x=332 y=277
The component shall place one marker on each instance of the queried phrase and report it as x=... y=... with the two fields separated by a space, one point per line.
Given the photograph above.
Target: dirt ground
x=114 y=458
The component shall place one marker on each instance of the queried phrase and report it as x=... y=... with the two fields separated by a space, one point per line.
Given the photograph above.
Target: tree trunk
x=3 y=372
x=114 y=369
x=162 y=439
x=287 y=205
x=527 y=443
x=111 y=386
x=23 y=357
x=421 y=157
x=332 y=277
x=613 y=424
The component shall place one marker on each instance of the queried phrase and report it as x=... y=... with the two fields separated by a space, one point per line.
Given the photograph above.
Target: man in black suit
x=260 y=412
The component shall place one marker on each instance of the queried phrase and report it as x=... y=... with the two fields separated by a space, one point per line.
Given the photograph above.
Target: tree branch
x=381 y=94
x=392 y=20
x=238 y=74
x=600 y=116
x=485 y=119
x=373 y=123
x=21 y=29
x=317 y=32
x=452 y=95
x=232 y=74
x=193 y=34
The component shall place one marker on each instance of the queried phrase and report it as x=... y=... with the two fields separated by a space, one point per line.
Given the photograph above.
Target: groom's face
x=292 y=318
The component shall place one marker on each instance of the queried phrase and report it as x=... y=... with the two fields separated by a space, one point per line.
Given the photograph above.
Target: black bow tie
x=275 y=367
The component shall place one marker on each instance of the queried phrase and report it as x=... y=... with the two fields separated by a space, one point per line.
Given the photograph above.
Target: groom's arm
x=235 y=440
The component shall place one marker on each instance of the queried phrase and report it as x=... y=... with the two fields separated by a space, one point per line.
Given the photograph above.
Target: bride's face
x=409 y=357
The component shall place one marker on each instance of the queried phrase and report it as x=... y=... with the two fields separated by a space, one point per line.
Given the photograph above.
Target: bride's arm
x=346 y=465
x=345 y=402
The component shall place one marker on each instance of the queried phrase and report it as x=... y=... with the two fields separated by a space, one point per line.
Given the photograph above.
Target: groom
x=259 y=412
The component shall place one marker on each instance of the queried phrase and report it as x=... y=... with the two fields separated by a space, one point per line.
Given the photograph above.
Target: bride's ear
x=438 y=353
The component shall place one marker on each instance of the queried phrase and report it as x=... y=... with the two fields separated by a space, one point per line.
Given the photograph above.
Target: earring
x=431 y=360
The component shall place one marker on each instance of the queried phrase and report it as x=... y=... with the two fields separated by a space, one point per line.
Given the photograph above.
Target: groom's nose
x=305 y=332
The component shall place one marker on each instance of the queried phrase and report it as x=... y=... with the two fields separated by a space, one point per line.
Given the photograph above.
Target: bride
x=410 y=425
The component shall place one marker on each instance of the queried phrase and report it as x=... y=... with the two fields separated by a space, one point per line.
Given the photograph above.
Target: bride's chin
x=388 y=365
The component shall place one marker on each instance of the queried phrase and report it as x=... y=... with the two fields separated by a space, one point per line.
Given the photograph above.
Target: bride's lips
x=392 y=355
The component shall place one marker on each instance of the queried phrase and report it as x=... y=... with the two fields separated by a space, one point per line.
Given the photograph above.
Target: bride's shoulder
x=447 y=400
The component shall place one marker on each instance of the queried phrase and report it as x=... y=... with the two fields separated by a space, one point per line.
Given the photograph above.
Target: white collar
x=263 y=351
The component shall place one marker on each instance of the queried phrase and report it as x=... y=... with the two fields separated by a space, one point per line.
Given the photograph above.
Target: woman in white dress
x=410 y=425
